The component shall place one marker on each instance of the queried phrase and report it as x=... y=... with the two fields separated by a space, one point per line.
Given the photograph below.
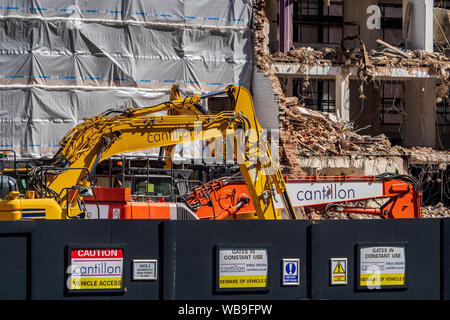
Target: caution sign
x=382 y=267
x=338 y=271
x=94 y=269
x=242 y=268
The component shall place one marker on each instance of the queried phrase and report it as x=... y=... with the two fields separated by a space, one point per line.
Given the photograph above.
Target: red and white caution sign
x=96 y=269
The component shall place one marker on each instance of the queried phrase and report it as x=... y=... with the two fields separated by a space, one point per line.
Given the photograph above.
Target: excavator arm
x=228 y=197
x=116 y=132
x=260 y=172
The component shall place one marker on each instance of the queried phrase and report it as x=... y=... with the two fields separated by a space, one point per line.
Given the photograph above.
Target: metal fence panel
x=50 y=241
x=191 y=266
x=15 y=260
x=344 y=239
x=191 y=263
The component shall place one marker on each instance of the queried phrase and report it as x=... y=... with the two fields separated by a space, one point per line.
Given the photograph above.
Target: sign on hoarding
x=382 y=267
x=95 y=268
x=242 y=268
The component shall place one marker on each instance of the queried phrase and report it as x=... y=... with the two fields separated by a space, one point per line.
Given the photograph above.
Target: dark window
x=444 y=4
x=392 y=111
x=318 y=95
x=314 y=22
x=443 y=121
x=391 y=22
x=391 y=103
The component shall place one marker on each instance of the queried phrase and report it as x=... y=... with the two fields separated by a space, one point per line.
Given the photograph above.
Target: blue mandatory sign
x=290 y=268
x=290 y=271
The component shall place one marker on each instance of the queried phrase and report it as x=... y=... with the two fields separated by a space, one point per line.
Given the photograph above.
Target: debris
x=306 y=132
x=441 y=90
x=434 y=62
x=393 y=48
x=437 y=211
x=441 y=26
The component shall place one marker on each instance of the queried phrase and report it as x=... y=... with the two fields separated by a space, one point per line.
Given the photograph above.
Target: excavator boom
x=116 y=132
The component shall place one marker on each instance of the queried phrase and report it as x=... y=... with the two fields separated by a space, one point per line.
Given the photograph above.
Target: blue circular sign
x=290 y=268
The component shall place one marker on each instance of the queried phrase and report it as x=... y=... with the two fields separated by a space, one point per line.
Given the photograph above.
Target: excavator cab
x=7 y=185
x=17 y=200
x=154 y=186
x=10 y=180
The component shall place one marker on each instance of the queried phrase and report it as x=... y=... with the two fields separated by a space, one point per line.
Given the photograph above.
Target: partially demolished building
x=361 y=87
x=344 y=86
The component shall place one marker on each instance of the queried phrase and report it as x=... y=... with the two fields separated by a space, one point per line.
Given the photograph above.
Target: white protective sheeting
x=64 y=60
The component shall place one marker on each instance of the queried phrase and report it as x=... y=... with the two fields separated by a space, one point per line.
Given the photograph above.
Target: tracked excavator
x=152 y=193
x=58 y=188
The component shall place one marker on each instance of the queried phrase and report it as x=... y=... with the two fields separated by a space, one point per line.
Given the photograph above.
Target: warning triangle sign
x=338 y=268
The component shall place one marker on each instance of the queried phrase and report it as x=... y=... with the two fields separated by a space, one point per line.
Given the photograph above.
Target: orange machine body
x=115 y=203
x=220 y=200
x=403 y=201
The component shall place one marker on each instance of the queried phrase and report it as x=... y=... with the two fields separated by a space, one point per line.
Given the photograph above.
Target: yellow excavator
x=60 y=186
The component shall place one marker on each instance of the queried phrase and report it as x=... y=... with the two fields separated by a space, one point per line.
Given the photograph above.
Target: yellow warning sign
x=338 y=271
x=338 y=268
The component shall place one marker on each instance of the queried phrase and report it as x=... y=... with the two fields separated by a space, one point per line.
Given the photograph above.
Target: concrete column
x=363 y=13
x=420 y=34
x=420 y=108
x=286 y=26
x=342 y=97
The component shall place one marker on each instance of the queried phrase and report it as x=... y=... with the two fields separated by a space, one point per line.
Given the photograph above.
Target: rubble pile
x=382 y=57
x=423 y=155
x=314 y=133
x=309 y=56
x=437 y=211
x=311 y=132
x=308 y=132
x=368 y=62
x=312 y=214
